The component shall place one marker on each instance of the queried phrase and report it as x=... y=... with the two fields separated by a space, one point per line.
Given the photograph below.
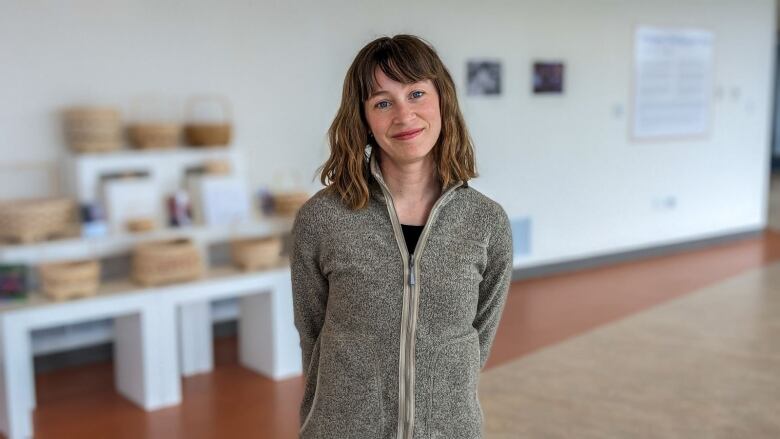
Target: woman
x=400 y=269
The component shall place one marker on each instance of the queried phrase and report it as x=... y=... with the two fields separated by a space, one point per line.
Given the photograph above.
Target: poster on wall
x=673 y=82
x=484 y=77
x=548 y=77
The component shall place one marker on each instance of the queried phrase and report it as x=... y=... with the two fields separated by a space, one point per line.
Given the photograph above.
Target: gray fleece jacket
x=393 y=343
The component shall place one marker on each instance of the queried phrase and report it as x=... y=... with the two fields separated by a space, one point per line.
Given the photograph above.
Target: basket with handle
x=152 y=127
x=163 y=262
x=69 y=280
x=211 y=133
x=154 y=135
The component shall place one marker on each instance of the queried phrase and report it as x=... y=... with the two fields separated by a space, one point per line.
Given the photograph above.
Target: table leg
x=145 y=357
x=17 y=385
x=268 y=340
x=195 y=338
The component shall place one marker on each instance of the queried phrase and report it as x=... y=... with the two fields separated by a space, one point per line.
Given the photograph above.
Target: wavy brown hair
x=406 y=59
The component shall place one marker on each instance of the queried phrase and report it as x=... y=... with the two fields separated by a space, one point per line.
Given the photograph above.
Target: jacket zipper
x=409 y=311
x=415 y=299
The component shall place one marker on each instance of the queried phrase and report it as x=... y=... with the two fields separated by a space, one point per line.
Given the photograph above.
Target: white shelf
x=165 y=167
x=182 y=152
x=101 y=247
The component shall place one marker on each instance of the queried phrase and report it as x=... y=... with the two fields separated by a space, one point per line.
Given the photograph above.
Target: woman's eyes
x=385 y=104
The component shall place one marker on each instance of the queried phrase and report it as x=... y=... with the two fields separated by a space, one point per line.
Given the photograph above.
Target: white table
x=268 y=340
x=145 y=351
x=156 y=330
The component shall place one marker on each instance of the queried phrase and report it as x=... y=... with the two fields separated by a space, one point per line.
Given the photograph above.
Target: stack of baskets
x=93 y=129
x=257 y=253
x=158 y=263
x=288 y=203
x=68 y=280
x=38 y=219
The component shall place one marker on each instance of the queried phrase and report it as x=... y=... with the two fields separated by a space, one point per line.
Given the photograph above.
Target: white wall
x=566 y=162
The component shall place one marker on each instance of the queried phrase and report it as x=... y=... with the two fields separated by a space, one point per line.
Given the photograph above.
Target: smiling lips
x=406 y=135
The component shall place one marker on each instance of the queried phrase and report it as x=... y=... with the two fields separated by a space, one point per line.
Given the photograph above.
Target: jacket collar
x=376 y=172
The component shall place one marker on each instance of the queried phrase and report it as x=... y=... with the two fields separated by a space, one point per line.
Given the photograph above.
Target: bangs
x=403 y=63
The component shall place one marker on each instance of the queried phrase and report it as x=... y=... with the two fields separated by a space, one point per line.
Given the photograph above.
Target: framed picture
x=548 y=77
x=484 y=77
x=219 y=200
x=128 y=199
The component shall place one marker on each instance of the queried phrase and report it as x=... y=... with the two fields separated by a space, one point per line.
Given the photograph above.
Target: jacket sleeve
x=309 y=285
x=494 y=286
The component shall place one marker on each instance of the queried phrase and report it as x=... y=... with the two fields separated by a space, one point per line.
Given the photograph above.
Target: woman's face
x=404 y=118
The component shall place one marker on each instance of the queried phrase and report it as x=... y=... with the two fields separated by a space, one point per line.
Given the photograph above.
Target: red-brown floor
x=232 y=402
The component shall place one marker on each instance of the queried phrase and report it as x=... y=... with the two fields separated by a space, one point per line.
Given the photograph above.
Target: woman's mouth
x=406 y=135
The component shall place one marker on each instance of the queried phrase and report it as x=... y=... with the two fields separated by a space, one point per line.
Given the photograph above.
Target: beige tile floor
x=706 y=365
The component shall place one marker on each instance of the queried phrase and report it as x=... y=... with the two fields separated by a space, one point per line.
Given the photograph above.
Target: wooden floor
x=234 y=403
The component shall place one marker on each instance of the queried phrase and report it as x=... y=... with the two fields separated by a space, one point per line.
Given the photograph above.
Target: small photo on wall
x=484 y=77
x=548 y=77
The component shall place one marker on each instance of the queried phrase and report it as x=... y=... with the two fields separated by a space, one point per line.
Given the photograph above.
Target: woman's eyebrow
x=377 y=93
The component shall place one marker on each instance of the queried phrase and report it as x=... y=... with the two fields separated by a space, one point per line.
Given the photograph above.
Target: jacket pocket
x=346 y=400
x=454 y=409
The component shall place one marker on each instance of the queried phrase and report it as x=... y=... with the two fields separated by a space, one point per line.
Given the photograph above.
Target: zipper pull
x=411 y=269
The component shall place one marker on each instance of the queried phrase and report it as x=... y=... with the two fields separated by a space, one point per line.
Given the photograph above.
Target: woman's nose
x=404 y=112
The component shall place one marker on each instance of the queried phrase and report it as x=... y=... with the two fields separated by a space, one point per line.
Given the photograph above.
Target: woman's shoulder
x=492 y=215
x=483 y=204
x=316 y=205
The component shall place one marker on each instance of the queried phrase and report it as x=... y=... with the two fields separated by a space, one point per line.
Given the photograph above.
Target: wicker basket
x=137 y=225
x=215 y=133
x=216 y=167
x=287 y=204
x=154 y=135
x=93 y=129
x=254 y=254
x=207 y=134
x=24 y=221
x=68 y=280
x=158 y=263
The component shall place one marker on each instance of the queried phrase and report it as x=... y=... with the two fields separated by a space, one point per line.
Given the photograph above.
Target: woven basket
x=24 y=221
x=216 y=167
x=137 y=225
x=207 y=134
x=254 y=254
x=158 y=263
x=287 y=204
x=215 y=133
x=93 y=129
x=154 y=135
x=68 y=280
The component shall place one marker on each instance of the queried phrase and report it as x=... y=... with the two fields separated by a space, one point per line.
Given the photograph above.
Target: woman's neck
x=414 y=187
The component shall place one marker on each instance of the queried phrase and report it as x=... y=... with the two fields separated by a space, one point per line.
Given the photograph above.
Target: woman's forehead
x=382 y=81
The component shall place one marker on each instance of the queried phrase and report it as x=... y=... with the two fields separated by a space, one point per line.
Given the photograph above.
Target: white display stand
x=161 y=333
x=268 y=340
x=150 y=339
x=145 y=351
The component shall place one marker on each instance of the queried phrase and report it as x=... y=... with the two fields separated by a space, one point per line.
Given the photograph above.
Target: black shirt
x=411 y=235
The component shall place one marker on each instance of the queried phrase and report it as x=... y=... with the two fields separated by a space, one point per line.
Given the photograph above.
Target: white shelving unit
x=151 y=350
x=166 y=328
